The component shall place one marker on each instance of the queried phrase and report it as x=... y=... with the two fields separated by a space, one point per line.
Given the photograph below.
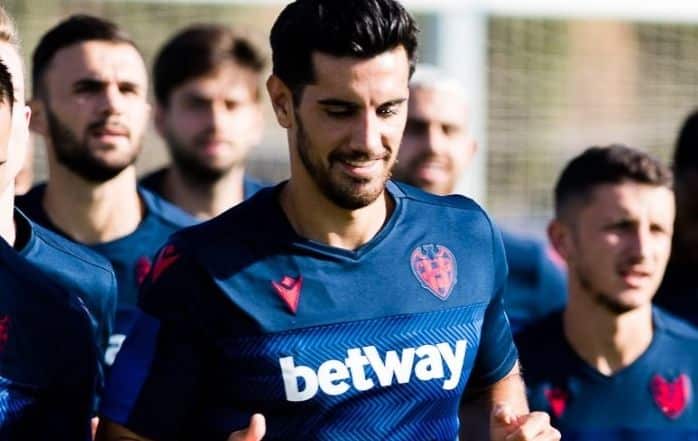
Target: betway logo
x=335 y=377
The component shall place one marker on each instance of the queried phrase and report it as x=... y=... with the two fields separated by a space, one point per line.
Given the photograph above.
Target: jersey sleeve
x=154 y=385
x=497 y=353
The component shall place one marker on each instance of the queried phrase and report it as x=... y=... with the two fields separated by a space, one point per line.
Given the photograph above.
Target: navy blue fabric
x=536 y=286
x=76 y=269
x=154 y=182
x=227 y=344
x=48 y=356
x=651 y=399
x=130 y=256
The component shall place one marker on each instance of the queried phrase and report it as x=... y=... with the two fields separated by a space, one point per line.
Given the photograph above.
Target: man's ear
x=560 y=237
x=37 y=122
x=281 y=101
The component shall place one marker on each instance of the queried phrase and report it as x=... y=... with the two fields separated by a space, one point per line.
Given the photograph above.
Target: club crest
x=435 y=268
x=671 y=396
x=557 y=400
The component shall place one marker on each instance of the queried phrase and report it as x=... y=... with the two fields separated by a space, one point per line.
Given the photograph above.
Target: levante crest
x=671 y=396
x=435 y=268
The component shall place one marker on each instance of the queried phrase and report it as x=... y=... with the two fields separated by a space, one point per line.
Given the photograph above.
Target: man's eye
x=339 y=112
x=388 y=111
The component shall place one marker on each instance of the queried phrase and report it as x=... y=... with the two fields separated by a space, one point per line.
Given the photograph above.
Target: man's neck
x=7 y=223
x=204 y=201
x=93 y=213
x=315 y=217
x=605 y=340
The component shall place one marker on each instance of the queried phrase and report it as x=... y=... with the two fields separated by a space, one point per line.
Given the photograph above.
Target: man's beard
x=344 y=193
x=193 y=169
x=407 y=172
x=606 y=301
x=75 y=154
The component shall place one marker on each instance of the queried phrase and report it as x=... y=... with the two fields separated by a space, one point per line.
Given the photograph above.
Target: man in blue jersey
x=436 y=150
x=90 y=105
x=678 y=292
x=611 y=366
x=48 y=357
x=209 y=112
x=336 y=305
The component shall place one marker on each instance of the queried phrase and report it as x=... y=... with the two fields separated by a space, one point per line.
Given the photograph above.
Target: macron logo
x=335 y=377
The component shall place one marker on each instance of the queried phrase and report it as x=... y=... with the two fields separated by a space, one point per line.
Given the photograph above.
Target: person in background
x=90 y=105
x=678 y=292
x=436 y=150
x=48 y=356
x=209 y=112
x=610 y=366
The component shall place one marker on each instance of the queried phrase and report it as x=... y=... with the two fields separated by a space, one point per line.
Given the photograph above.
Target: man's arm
x=500 y=413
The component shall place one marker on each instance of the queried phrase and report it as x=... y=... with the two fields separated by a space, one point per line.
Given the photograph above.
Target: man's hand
x=506 y=425
x=254 y=432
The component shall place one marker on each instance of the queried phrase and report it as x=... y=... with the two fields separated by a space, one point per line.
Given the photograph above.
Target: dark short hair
x=7 y=89
x=611 y=164
x=686 y=151
x=75 y=29
x=340 y=28
x=199 y=50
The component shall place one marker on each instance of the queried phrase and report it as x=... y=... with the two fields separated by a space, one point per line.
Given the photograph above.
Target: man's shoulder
x=421 y=198
x=53 y=248
x=675 y=327
x=25 y=284
x=167 y=214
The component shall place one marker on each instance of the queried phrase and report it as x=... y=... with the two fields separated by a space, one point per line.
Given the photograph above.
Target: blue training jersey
x=76 y=269
x=130 y=256
x=649 y=400
x=536 y=286
x=154 y=182
x=243 y=315
x=48 y=357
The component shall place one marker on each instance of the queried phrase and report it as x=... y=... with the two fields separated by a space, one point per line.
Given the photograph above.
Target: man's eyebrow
x=336 y=102
x=394 y=102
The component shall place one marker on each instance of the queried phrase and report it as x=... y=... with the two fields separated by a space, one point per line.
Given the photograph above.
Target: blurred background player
x=48 y=357
x=611 y=366
x=90 y=105
x=678 y=292
x=299 y=302
x=436 y=149
x=209 y=113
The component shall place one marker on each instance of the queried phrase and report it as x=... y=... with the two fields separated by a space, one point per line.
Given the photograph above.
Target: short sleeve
x=155 y=382
x=497 y=353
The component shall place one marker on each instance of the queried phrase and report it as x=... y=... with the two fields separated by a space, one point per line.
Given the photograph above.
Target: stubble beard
x=75 y=155
x=343 y=193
